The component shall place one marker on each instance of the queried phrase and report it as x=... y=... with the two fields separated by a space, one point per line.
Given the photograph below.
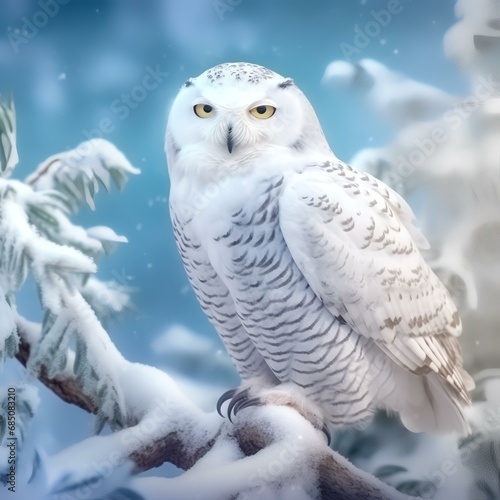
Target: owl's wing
x=352 y=238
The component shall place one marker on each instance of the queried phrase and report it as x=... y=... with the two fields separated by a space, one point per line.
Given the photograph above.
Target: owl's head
x=236 y=110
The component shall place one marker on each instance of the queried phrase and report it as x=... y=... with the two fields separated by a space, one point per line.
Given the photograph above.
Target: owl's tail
x=426 y=404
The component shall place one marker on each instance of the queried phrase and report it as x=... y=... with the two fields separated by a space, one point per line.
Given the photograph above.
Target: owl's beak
x=230 y=142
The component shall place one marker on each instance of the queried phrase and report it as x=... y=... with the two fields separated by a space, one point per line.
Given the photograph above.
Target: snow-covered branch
x=63 y=385
x=273 y=450
x=78 y=173
x=37 y=237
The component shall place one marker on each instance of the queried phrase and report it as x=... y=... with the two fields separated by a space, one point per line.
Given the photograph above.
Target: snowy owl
x=308 y=269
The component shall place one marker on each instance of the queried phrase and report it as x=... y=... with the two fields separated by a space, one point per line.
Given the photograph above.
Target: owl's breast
x=238 y=215
x=234 y=223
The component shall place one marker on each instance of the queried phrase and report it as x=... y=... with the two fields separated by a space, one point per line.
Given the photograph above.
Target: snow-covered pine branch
x=37 y=237
x=78 y=173
x=8 y=149
x=269 y=452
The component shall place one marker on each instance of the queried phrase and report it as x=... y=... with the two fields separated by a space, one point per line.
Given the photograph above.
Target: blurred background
x=111 y=69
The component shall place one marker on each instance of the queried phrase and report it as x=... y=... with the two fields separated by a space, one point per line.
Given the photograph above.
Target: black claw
x=237 y=400
x=237 y=403
x=227 y=395
x=241 y=402
x=247 y=404
x=327 y=434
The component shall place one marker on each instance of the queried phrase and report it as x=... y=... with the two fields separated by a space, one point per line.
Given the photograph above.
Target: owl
x=309 y=269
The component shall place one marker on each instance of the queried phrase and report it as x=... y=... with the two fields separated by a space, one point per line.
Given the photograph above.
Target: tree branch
x=336 y=476
x=68 y=389
x=170 y=428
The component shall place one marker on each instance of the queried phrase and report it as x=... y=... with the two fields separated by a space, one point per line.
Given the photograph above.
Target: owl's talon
x=236 y=402
x=240 y=400
x=225 y=397
x=327 y=433
x=242 y=403
x=247 y=404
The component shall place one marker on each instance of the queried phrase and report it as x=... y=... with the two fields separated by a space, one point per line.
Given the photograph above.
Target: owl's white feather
x=309 y=269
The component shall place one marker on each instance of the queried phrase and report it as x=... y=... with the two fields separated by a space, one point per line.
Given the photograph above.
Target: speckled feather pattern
x=269 y=317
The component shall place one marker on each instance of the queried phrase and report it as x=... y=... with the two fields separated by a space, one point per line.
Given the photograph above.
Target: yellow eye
x=263 y=111
x=203 y=110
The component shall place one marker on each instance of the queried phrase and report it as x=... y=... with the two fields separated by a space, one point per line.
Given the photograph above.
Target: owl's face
x=236 y=110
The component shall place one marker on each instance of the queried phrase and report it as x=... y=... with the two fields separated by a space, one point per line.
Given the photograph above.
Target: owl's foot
x=238 y=400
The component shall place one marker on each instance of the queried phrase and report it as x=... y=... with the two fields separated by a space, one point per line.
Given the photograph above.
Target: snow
x=339 y=73
x=395 y=97
x=107 y=298
x=90 y=163
x=153 y=400
x=478 y=18
x=106 y=236
x=31 y=330
x=7 y=323
x=46 y=254
x=103 y=233
x=491 y=106
x=204 y=393
x=21 y=238
x=279 y=471
x=38 y=235
x=285 y=469
x=369 y=160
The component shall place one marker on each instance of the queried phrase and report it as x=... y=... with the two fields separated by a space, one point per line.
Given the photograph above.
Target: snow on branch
x=60 y=271
x=64 y=384
x=270 y=452
x=77 y=173
x=38 y=238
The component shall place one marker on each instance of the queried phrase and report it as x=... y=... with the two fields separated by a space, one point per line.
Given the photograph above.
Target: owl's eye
x=263 y=111
x=203 y=110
